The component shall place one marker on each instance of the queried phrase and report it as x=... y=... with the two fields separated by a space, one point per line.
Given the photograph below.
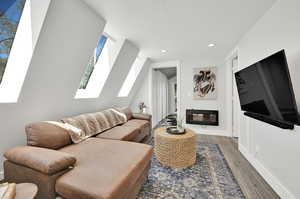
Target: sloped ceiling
x=184 y=28
x=126 y=56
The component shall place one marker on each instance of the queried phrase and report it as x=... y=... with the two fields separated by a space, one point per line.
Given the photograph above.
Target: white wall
x=57 y=64
x=187 y=101
x=124 y=53
x=22 y=49
x=185 y=98
x=274 y=151
x=118 y=73
x=68 y=37
x=144 y=88
x=143 y=95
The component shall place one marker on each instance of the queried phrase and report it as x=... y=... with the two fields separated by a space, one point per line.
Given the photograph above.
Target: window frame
x=131 y=77
x=92 y=62
x=100 y=73
x=10 y=18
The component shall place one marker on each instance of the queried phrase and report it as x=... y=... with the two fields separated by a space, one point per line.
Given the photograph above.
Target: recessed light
x=163 y=51
x=211 y=45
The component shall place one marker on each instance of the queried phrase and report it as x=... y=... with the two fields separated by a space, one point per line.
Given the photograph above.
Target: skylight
x=10 y=15
x=131 y=77
x=16 y=51
x=93 y=60
x=97 y=70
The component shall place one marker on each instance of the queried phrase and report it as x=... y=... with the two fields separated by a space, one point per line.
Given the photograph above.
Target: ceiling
x=169 y=72
x=183 y=28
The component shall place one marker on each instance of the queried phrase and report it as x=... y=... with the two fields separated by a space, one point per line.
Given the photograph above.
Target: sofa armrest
x=142 y=116
x=47 y=161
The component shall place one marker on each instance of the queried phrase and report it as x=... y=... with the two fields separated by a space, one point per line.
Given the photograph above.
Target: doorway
x=165 y=91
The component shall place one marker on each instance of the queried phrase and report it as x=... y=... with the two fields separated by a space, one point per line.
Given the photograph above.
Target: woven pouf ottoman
x=177 y=151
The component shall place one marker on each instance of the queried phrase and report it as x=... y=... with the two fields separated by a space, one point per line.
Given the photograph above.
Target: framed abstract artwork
x=205 y=83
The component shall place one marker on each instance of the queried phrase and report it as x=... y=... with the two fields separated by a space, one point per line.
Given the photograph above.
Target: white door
x=235 y=100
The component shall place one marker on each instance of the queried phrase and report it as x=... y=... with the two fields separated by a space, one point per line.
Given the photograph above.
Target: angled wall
x=140 y=79
x=69 y=33
x=138 y=85
x=24 y=44
x=143 y=90
x=62 y=53
x=121 y=66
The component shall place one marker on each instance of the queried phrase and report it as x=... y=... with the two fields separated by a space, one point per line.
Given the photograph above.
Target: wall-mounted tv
x=266 y=92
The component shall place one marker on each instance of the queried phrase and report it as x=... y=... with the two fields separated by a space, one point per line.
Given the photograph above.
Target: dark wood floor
x=251 y=183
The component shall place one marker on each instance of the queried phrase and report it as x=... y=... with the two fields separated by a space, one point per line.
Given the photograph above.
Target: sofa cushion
x=137 y=123
x=126 y=133
x=142 y=116
x=52 y=135
x=47 y=161
x=144 y=127
x=105 y=169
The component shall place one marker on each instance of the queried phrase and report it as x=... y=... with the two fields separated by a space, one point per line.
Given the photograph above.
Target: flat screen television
x=266 y=92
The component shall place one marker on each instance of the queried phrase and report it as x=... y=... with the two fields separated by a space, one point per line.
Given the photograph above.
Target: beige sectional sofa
x=109 y=165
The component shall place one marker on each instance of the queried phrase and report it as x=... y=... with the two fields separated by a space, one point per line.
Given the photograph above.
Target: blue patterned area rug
x=209 y=178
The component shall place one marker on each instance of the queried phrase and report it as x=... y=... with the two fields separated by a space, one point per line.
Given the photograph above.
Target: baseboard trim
x=281 y=190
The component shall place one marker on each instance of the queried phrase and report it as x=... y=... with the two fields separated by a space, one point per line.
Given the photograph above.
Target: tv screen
x=265 y=88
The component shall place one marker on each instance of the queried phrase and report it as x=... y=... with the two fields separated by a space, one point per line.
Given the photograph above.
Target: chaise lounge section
x=108 y=165
x=111 y=171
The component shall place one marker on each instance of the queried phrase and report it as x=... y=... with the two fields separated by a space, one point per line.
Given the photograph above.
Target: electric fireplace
x=202 y=117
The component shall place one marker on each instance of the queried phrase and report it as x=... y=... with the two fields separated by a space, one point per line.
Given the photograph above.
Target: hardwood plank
x=251 y=183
